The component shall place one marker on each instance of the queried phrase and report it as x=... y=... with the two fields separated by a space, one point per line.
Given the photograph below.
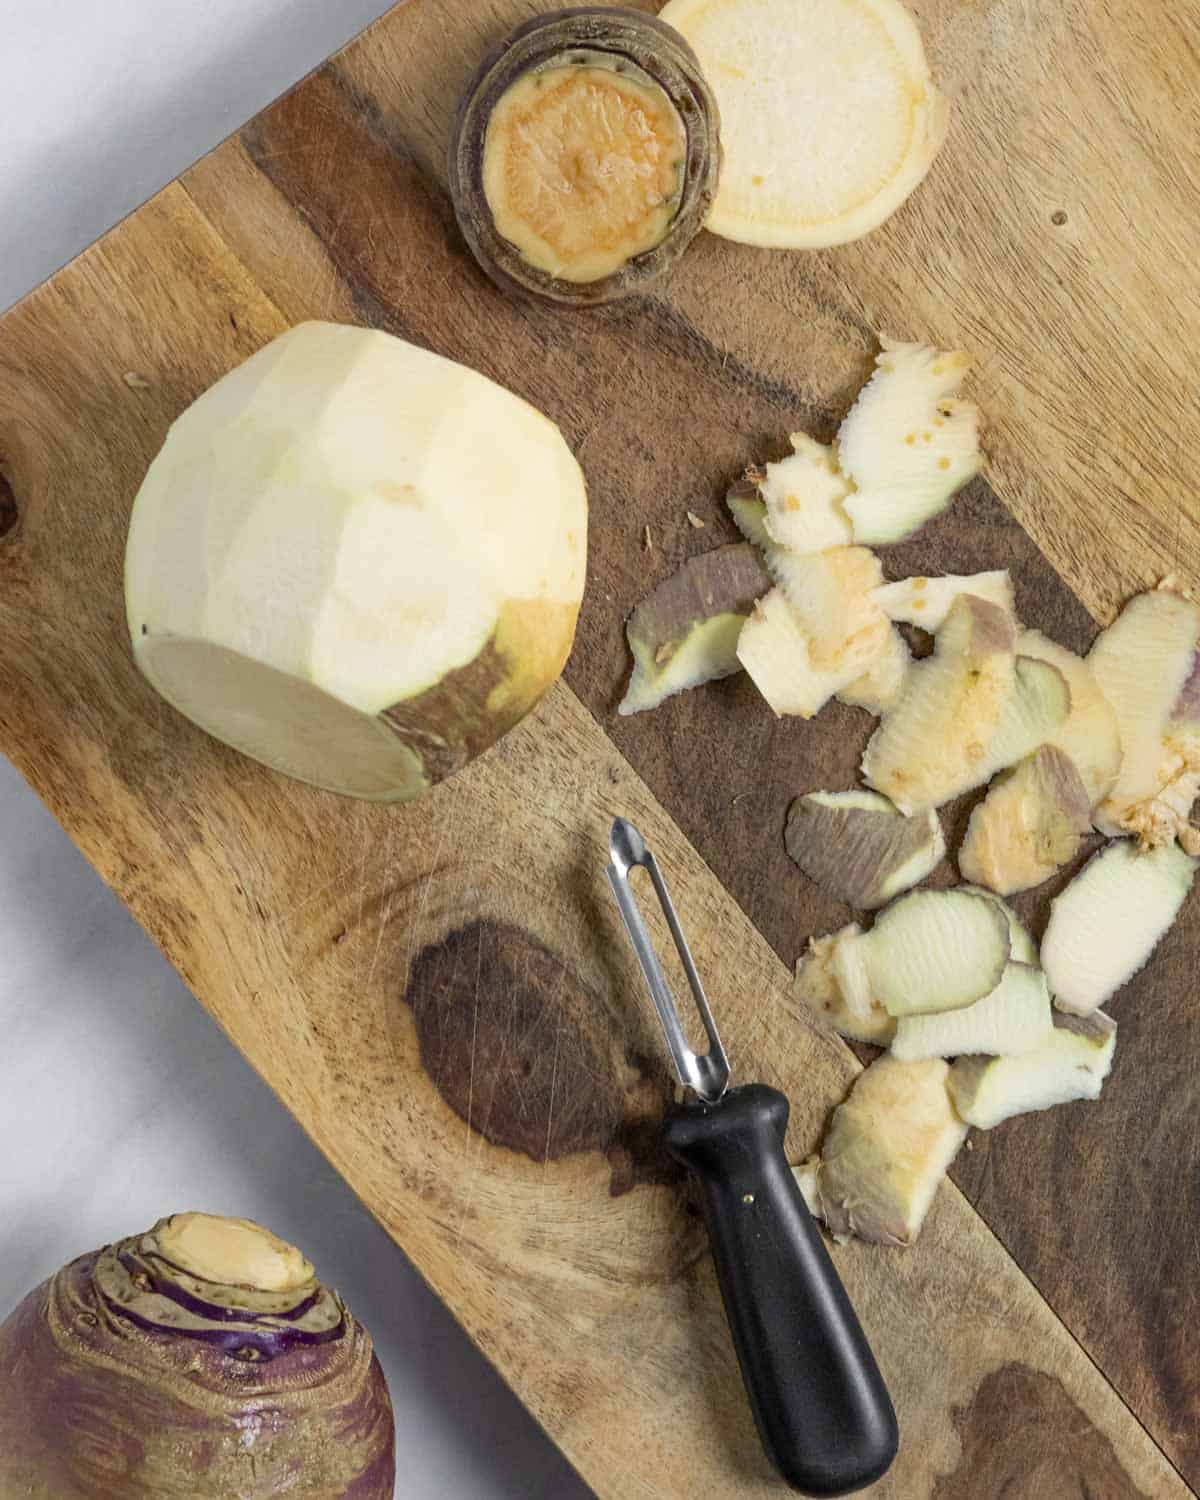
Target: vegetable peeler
x=822 y=1410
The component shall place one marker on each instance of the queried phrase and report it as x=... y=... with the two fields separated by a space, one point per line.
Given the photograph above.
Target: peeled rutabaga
x=357 y=561
x=686 y=632
x=1072 y=1063
x=1105 y=925
x=887 y=1148
x=907 y=446
x=859 y=847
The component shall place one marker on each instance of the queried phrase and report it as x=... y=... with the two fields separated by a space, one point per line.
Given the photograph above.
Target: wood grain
x=440 y=993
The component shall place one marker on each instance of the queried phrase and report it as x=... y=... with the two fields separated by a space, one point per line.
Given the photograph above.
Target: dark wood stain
x=522 y=1049
x=1024 y=1438
x=1121 y=1278
x=9 y=514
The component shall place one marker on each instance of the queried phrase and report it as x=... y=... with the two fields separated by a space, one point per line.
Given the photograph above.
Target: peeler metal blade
x=707 y=1075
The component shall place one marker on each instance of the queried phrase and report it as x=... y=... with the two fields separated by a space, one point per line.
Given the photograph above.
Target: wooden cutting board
x=440 y=993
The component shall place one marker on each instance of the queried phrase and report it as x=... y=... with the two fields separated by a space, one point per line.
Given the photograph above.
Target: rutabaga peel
x=1036 y=708
x=1031 y=822
x=829 y=591
x=933 y=744
x=887 y=1148
x=818 y=985
x=685 y=632
x=1022 y=948
x=926 y=601
x=1014 y=1017
x=137 y=1372
x=880 y=686
x=803 y=495
x=330 y=573
x=749 y=513
x=860 y=848
x=1143 y=664
x=1071 y=1064
x=936 y=950
x=829 y=116
x=906 y=445
x=773 y=647
x=1105 y=925
x=1089 y=733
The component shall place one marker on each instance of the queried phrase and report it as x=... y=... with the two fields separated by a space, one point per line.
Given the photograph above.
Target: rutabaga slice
x=1107 y=922
x=860 y=847
x=1022 y=948
x=1030 y=823
x=1015 y=1017
x=1038 y=705
x=829 y=118
x=685 y=633
x=934 y=743
x=886 y=1150
x=926 y=601
x=936 y=950
x=773 y=648
x=905 y=445
x=1144 y=663
x=879 y=688
x=829 y=593
x=818 y=986
x=1072 y=1064
x=803 y=495
x=749 y=512
x=1089 y=733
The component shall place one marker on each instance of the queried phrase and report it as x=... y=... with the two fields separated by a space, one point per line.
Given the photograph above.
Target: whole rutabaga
x=201 y=1359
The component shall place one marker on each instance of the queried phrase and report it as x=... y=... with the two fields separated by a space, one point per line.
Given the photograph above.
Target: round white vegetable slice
x=936 y=950
x=829 y=118
x=356 y=561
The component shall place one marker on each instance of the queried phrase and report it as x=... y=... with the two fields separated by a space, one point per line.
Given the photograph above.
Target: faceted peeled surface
x=281 y=720
x=583 y=169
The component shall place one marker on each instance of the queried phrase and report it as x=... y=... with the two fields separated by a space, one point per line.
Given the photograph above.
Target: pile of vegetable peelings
x=979 y=1025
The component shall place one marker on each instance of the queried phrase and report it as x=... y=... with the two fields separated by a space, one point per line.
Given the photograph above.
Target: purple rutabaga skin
x=1187 y=705
x=97 y=1406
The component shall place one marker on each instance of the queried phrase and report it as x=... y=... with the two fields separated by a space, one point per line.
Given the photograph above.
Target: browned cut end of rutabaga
x=1030 y=823
x=851 y=1011
x=934 y=744
x=887 y=1148
x=685 y=633
x=860 y=847
x=1145 y=664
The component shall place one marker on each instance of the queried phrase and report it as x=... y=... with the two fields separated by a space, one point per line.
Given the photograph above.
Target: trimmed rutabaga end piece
x=1038 y=705
x=1145 y=665
x=880 y=686
x=1105 y=925
x=1089 y=733
x=803 y=495
x=773 y=648
x=1030 y=823
x=357 y=561
x=829 y=592
x=829 y=116
x=906 y=445
x=933 y=744
x=685 y=633
x=172 y=1345
x=926 y=601
x=853 y=1012
x=860 y=848
x=887 y=1148
x=1022 y=948
x=749 y=513
x=1071 y=1064
x=1015 y=1017
x=936 y=950
x=235 y=1251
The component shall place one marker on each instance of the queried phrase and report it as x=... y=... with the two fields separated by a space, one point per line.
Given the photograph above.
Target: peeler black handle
x=822 y=1409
